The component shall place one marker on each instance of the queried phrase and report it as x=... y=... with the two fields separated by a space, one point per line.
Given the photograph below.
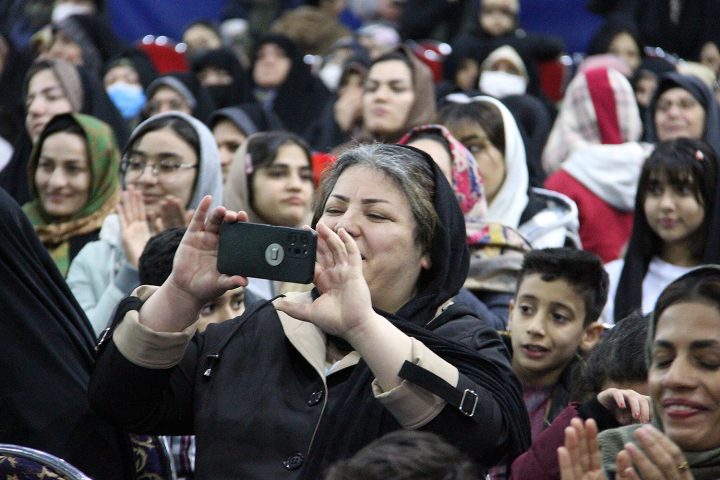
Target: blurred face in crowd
x=271 y=66
x=62 y=177
x=45 y=99
x=679 y=114
x=122 y=73
x=490 y=160
x=282 y=191
x=64 y=48
x=645 y=88
x=625 y=47
x=200 y=37
x=165 y=99
x=228 y=138
x=161 y=163
x=388 y=97
x=710 y=57
x=210 y=76
x=498 y=17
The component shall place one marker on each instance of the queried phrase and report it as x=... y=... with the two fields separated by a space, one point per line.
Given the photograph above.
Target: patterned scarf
x=104 y=162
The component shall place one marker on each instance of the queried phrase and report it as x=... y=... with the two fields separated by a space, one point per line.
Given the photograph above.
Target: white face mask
x=65 y=10
x=330 y=75
x=502 y=84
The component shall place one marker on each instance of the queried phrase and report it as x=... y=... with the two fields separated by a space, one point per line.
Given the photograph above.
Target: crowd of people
x=511 y=281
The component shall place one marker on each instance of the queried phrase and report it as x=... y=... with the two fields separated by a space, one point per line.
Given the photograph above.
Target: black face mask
x=223 y=95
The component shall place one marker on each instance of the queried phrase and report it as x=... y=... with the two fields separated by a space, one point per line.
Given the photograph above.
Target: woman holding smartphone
x=293 y=385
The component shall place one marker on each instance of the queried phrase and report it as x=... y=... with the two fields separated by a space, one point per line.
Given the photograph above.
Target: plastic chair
x=24 y=463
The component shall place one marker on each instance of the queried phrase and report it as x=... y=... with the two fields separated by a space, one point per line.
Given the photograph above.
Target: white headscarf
x=512 y=197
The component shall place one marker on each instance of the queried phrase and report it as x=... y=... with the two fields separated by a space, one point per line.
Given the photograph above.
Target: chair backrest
x=27 y=463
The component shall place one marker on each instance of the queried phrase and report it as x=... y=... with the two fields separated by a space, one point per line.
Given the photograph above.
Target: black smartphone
x=266 y=251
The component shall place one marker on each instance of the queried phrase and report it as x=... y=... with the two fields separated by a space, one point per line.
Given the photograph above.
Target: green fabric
x=104 y=162
x=704 y=465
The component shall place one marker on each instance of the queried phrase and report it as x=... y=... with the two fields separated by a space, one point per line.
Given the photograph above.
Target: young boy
x=553 y=321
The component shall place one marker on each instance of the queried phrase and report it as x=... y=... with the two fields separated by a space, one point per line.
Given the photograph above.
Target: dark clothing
x=238 y=91
x=262 y=368
x=696 y=23
x=46 y=355
x=272 y=417
x=301 y=97
x=532 y=48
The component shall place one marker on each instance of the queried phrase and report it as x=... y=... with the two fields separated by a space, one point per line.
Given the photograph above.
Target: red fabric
x=321 y=161
x=601 y=92
x=165 y=58
x=604 y=230
x=540 y=462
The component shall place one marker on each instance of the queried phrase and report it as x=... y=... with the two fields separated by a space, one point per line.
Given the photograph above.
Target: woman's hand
x=627 y=406
x=579 y=459
x=134 y=227
x=172 y=214
x=345 y=302
x=348 y=106
x=194 y=279
x=659 y=459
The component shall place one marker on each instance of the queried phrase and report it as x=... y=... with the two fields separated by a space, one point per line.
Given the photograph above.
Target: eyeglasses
x=133 y=165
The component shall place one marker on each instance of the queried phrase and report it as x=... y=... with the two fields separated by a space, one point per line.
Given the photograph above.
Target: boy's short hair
x=406 y=454
x=156 y=260
x=582 y=270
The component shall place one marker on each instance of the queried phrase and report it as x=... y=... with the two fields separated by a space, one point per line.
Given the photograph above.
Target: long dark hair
x=684 y=162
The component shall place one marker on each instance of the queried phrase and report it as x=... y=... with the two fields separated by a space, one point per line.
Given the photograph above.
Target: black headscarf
x=301 y=97
x=46 y=356
x=702 y=94
x=353 y=420
x=223 y=58
x=138 y=60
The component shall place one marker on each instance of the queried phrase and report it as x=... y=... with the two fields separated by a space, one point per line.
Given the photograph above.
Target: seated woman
x=271 y=180
x=684 y=440
x=302 y=382
x=496 y=251
x=676 y=217
x=487 y=128
x=169 y=164
x=74 y=170
x=683 y=106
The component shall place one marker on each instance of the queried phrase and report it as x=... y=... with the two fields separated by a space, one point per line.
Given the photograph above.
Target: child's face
x=672 y=211
x=546 y=323
x=498 y=17
x=229 y=305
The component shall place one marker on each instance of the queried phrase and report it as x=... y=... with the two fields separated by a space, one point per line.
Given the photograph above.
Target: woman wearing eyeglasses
x=170 y=162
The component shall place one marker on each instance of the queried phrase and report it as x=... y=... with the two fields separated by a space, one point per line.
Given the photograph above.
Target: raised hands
x=345 y=302
x=658 y=459
x=579 y=459
x=627 y=406
x=134 y=227
x=195 y=279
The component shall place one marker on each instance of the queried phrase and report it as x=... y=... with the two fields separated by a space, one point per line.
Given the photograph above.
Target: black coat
x=286 y=422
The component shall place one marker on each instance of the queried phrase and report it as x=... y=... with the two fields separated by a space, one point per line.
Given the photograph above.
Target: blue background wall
x=132 y=19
